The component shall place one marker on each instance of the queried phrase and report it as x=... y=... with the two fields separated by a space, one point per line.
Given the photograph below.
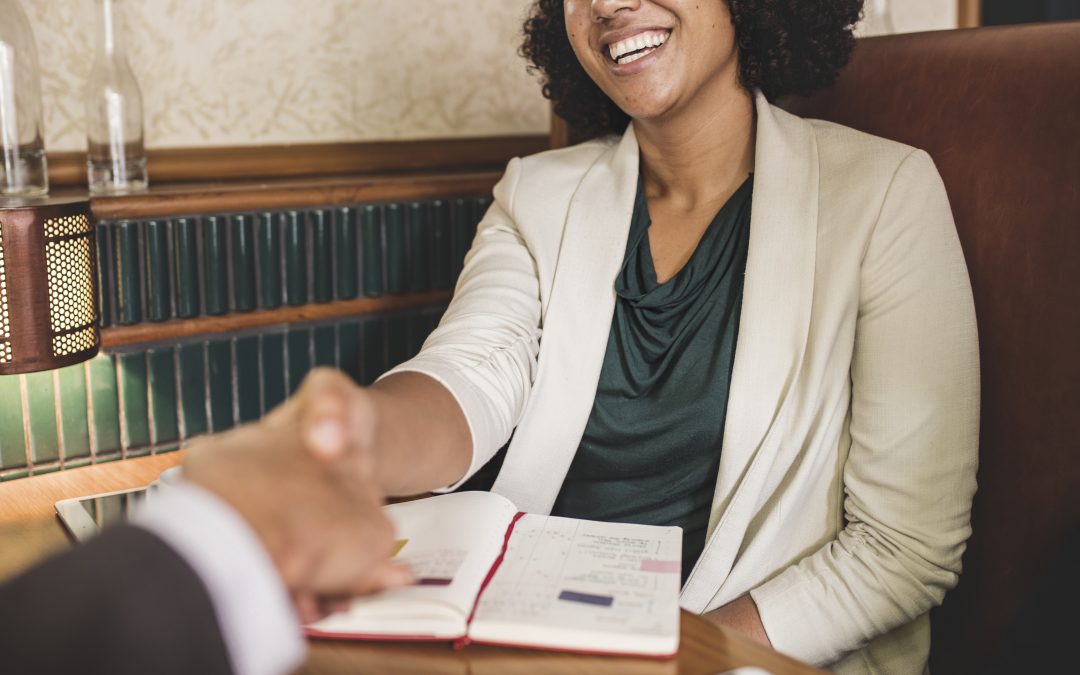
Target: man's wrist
x=253 y=607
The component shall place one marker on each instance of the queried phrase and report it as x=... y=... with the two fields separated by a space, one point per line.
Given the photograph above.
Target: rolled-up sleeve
x=484 y=351
x=909 y=477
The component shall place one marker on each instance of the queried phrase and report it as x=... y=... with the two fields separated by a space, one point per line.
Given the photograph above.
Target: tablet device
x=86 y=516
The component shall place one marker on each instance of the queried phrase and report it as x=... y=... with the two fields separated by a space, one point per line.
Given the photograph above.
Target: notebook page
x=449 y=542
x=579 y=584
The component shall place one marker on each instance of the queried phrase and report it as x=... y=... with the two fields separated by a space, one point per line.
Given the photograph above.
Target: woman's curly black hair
x=785 y=47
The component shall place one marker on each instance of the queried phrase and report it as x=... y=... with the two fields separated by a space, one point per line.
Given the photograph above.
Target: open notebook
x=487 y=573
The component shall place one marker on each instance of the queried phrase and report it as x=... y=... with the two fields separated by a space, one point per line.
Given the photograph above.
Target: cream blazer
x=848 y=465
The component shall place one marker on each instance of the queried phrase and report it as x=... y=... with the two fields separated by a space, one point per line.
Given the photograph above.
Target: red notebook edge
x=464 y=640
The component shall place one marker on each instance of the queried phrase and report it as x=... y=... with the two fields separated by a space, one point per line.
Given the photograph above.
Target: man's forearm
x=422 y=440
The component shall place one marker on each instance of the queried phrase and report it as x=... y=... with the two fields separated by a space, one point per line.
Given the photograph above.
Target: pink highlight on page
x=666 y=566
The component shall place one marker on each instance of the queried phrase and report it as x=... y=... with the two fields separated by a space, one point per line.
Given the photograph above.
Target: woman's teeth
x=633 y=48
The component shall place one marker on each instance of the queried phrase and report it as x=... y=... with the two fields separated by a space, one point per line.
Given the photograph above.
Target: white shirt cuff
x=253 y=608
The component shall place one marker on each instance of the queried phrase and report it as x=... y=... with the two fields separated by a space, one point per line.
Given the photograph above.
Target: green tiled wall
x=216 y=264
x=150 y=399
x=143 y=401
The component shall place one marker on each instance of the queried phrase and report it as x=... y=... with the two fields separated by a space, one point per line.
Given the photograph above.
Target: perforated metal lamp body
x=48 y=286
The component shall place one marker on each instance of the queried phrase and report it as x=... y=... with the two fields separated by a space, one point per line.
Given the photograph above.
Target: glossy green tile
x=346 y=254
x=349 y=349
x=156 y=265
x=12 y=436
x=272 y=361
x=134 y=402
x=296 y=269
x=461 y=227
x=104 y=404
x=439 y=243
x=325 y=346
x=105 y=287
x=77 y=462
x=243 y=263
x=482 y=204
x=185 y=254
x=192 y=377
x=215 y=265
x=399 y=346
x=15 y=475
x=299 y=355
x=128 y=290
x=220 y=384
x=397 y=273
x=74 y=425
x=371 y=250
x=420 y=326
x=165 y=424
x=248 y=394
x=372 y=349
x=268 y=234
x=41 y=408
x=419 y=263
x=322 y=255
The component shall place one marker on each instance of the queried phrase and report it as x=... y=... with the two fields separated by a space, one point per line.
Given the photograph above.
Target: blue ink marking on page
x=587 y=598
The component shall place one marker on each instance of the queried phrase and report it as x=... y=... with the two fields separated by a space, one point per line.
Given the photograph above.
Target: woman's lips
x=636 y=61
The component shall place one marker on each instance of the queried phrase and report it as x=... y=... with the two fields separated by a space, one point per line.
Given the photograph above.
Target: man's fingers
x=383 y=576
x=307 y=608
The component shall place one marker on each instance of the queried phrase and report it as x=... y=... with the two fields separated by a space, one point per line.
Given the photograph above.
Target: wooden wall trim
x=179 y=200
x=969 y=13
x=179 y=329
x=226 y=163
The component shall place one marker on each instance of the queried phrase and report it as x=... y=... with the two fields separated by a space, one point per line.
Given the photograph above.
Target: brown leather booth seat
x=999 y=111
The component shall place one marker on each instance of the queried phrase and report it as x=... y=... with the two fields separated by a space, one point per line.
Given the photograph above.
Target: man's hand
x=406 y=432
x=318 y=516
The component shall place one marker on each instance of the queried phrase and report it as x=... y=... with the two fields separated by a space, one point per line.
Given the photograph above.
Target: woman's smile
x=654 y=58
x=634 y=48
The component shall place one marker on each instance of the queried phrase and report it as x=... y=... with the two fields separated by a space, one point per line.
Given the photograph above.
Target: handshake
x=305 y=479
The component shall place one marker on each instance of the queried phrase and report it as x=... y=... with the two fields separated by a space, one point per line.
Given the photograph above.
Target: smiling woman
x=784 y=48
x=716 y=316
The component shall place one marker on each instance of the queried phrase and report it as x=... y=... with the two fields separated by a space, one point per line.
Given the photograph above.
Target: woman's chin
x=651 y=114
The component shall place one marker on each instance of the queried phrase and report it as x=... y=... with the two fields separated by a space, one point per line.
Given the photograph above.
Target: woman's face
x=653 y=57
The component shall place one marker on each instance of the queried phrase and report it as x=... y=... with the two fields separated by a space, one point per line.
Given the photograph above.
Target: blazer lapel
x=773 y=329
x=575 y=331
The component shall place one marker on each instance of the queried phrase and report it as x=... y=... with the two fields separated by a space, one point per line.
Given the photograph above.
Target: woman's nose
x=606 y=9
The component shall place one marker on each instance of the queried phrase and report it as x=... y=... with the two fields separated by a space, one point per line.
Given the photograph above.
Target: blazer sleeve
x=909 y=477
x=123 y=603
x=485 y=349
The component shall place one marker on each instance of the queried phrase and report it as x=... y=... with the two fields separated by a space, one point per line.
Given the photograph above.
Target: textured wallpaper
x=908 y=16
x=239 y=72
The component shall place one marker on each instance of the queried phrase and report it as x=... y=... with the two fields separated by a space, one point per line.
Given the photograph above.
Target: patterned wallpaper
x=908 y=16
x=236 y=72
x=239 y=72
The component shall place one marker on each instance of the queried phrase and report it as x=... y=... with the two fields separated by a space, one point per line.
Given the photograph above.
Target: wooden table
x=29 y=531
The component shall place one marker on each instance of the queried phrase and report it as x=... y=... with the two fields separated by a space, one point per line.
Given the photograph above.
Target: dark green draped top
x=651 y=448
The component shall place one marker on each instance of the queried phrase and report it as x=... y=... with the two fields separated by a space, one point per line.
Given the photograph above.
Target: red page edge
x=464 y=640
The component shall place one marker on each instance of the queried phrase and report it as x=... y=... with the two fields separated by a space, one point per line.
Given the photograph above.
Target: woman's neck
x=702 y=154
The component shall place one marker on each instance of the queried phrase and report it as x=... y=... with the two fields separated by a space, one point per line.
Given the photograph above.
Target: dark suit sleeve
x=123 y=603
